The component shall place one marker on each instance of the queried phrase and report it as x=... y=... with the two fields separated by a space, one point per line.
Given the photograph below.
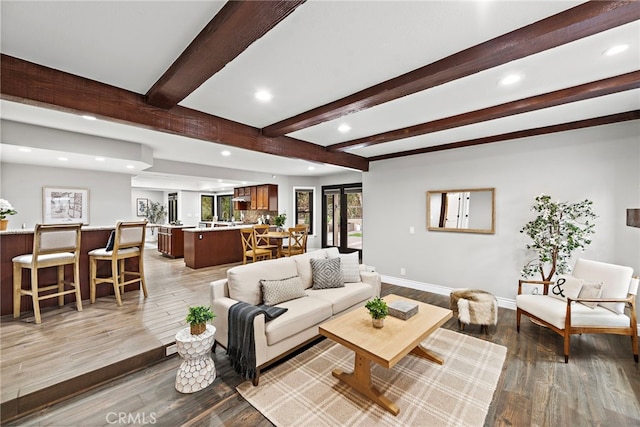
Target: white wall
x=601 y=164
x=21 y=185
x=150 y=195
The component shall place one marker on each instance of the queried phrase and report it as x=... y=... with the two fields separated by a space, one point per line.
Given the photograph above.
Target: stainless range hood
x=241 y=199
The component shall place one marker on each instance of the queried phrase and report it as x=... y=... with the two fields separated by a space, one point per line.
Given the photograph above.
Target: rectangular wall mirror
x=462 y=210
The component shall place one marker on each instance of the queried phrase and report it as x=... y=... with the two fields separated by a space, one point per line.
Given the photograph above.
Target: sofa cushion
x=277 y=291
x=566 y=286
x=345 y=297
x=553 y=310
x=244 y=280
x=304 y=266
x=326 y=273
x=302 y=313
x=590 y=290
x=615 y=279
x=350 y=267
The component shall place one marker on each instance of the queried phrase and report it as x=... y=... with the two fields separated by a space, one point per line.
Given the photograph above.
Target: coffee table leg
x=360 y=380
x=426 y=354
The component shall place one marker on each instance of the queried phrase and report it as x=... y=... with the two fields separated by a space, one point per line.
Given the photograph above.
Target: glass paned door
x=354 y=218
x=342 y=217
x=332 y=205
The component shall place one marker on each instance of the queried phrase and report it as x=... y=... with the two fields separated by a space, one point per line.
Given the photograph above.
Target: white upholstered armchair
x=590 y=301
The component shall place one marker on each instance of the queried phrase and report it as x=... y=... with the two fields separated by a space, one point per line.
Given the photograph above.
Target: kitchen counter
x=20 y=241
x=205 y=247
x=222 y=228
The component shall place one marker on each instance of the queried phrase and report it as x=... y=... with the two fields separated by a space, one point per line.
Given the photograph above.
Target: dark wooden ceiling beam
x=573 y=24
x=579 y=124
x=33 y=84
x=582 y=92
x=234 y=28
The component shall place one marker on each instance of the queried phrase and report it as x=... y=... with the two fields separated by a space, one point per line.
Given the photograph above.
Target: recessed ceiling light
x=99 y=159
x=510 y=79
x=63 y=159
x=310 y=168
x=244 y=182
x=226 y=153
x=344 y=128
x=130 y=166
x=614 y=50
x=24 y=149
x=263 y=95
x=88 y=117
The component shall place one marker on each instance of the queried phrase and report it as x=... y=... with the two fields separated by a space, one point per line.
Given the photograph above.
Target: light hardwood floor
x=599 y=386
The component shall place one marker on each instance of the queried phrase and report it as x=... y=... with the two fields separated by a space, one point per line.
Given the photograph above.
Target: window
x=304 y=207
x=206 y=208
x=225 y=207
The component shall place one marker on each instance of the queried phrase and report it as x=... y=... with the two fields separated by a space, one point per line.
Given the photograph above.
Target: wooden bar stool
x=128 y=242
x=54 y=245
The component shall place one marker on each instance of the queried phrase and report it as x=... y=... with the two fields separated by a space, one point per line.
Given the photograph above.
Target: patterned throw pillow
x=566 y=286
x=350 y=267
x=590 y=290
x=277 y=291
x=326 y=273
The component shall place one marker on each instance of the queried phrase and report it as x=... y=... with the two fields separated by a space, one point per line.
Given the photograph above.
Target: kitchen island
x=171 y=240
x=205 y=247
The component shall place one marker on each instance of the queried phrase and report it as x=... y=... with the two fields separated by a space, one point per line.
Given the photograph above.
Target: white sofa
x=299 y=325
x=572 y=316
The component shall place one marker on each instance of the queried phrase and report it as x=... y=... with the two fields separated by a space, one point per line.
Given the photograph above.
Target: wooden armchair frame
x=569 y=329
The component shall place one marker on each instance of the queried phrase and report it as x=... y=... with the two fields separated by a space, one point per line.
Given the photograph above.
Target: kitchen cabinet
x=254 y=197
x=267 y=197
x=171 y=241
x=260 y=197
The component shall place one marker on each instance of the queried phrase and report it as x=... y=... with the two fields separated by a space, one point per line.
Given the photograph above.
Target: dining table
x=278 y=236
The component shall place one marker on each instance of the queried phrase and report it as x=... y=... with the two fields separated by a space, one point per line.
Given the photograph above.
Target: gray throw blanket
x=241 y=345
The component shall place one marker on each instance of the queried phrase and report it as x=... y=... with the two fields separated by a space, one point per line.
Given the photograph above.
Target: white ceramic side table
x=197 y=371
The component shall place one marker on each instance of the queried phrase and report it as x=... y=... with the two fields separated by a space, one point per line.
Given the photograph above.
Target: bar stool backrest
x=56 y=238
x=129 y=235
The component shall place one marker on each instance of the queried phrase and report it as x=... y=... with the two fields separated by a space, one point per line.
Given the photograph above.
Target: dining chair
x=54 y=245
x=262 y=241
x=249 y=248
x=128 y=242
x=297 y=241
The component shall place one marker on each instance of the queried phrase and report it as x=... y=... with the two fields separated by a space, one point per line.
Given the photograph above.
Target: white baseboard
x=443 y=290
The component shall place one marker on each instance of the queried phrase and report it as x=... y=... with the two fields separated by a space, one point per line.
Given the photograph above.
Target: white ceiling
x=323 y=51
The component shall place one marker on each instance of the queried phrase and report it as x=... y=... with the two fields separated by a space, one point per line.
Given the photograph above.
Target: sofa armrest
x=372 y=278
x=219 y=289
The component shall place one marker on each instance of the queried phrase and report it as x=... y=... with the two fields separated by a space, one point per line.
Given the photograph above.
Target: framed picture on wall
x=141 y=206
x=64 y=205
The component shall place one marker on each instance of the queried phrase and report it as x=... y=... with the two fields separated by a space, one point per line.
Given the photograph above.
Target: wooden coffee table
x=385 y=346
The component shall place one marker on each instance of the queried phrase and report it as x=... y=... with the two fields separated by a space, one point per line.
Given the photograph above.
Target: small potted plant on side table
x=378 y=310
x=198 y=317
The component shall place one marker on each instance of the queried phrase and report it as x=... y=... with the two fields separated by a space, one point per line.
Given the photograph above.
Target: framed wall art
x=141 y=206
x=64 y=205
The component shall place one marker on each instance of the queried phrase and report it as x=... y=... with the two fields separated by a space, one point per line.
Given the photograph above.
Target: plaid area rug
x=302 y=391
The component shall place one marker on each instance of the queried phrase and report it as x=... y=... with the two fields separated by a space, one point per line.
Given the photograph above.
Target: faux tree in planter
x=197 y=318
x=378 y=310
x=155 y=213
x=559 y=229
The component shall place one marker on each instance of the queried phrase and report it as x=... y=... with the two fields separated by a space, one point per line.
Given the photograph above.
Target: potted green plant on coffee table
x=378 y=310
x=197 y=318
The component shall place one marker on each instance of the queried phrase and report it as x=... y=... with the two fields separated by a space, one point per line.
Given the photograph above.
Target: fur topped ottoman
x=474 y=306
